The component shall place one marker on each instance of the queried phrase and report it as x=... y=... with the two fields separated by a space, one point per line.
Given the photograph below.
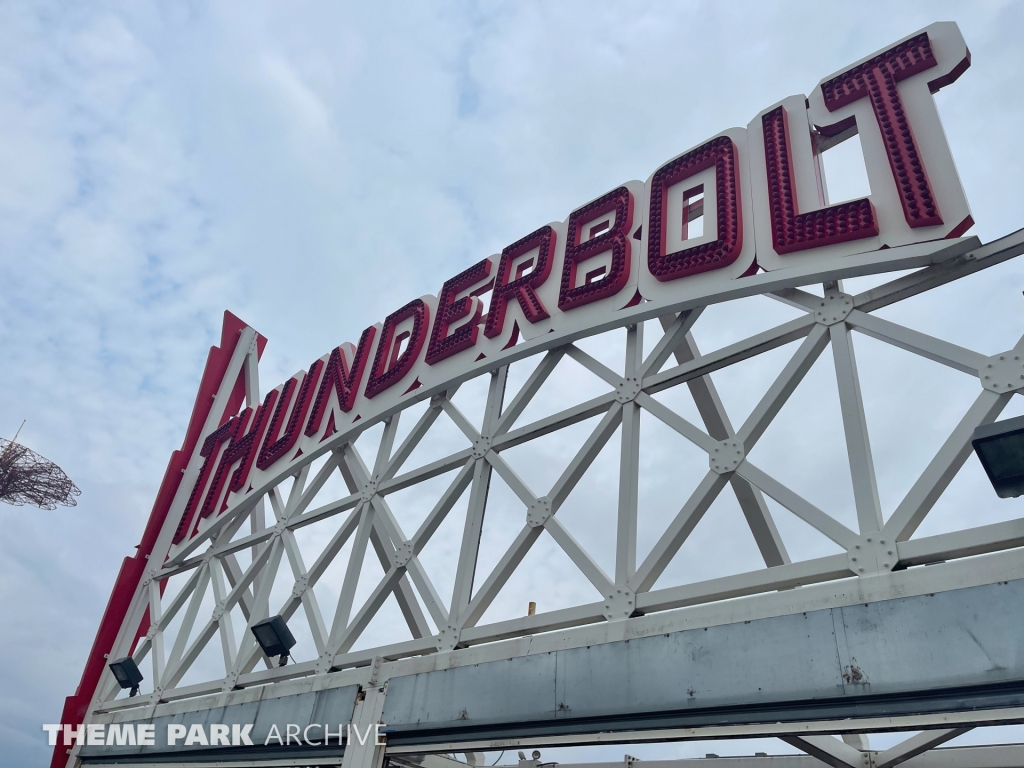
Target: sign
x=744 y=213
x=760 y=191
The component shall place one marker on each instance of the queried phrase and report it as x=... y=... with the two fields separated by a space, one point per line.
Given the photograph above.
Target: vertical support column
x=858 y=445
x=629 y=464
x=258 y=516
x=465 y=572
x=343 y=612
x=368 y=711
x=155 y=616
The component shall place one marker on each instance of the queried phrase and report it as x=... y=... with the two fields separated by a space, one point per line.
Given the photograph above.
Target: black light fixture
x=1000 y=448
x=127 y=674
x=274 y=637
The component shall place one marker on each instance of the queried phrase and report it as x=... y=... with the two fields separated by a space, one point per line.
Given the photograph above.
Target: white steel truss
x=235 y=570
x=826 y=750
x=923 y=749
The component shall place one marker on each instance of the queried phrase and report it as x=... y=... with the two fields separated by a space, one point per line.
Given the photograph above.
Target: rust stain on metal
x=853 y=674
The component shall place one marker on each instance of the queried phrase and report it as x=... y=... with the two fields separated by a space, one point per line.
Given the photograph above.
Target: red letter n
x=341 y=378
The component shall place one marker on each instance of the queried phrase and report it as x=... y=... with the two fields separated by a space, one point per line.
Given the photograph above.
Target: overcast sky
x=313 y=166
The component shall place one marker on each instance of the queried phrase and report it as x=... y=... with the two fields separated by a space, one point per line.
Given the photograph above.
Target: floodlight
x=274 y=637
x=1000 y=447
x=127 y=674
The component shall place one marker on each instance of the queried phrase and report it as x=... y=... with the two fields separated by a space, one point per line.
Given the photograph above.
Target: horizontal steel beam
x=975 y=718
x=950 y=656
x=989 y=756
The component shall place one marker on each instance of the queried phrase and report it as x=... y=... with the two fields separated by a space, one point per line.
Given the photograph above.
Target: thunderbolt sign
x=763 y=199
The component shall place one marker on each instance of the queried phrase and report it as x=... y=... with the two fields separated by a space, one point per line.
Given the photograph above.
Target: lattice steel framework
x=438 y=624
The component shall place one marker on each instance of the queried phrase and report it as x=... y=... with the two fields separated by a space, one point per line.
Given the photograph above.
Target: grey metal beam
x=947 y=652
x=987 y=756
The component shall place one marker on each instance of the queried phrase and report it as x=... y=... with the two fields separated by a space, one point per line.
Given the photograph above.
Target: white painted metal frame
x=438 y=624
x=830 y=751
x=819 y=750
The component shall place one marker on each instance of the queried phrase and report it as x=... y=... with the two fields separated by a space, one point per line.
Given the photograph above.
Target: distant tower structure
x=28 y=478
